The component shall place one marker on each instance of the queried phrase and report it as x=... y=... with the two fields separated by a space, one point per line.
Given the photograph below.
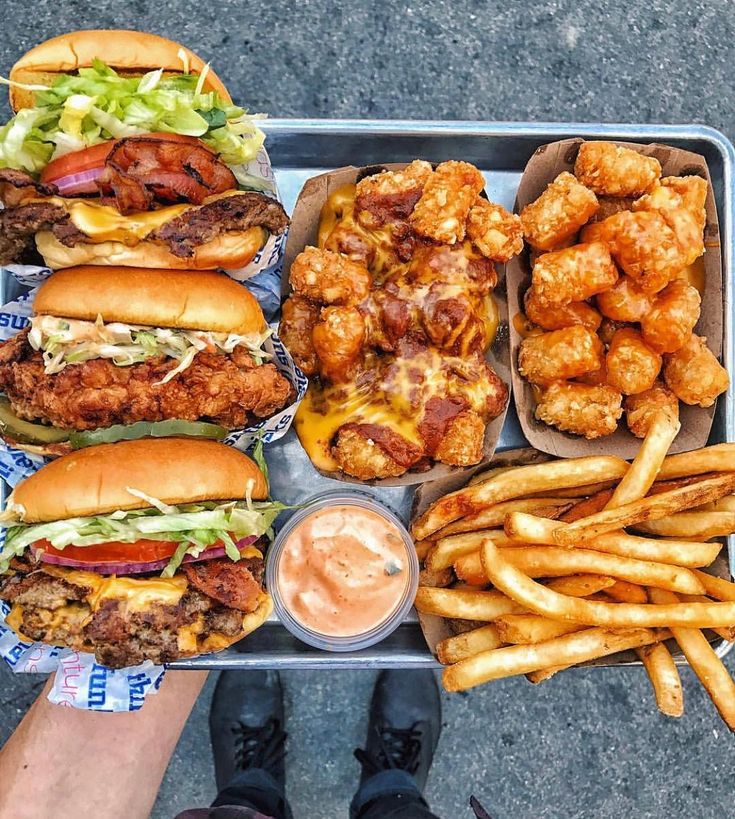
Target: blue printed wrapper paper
x=80 y=681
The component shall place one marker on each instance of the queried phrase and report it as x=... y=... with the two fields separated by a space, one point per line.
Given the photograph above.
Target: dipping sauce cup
x=342 y=572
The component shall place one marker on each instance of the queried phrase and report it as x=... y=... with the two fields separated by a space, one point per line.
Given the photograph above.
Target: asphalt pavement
x=586 y=743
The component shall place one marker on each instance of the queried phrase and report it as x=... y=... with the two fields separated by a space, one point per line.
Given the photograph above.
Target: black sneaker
x=404 y=727
x=246 y=724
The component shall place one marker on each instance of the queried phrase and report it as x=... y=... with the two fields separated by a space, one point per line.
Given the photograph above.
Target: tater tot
x=558 y=213
x=623 y=301
x=632 y=366
x=592 y=411
x=693 y=373
x=671 y=319
x=641 y=409
x=680 y=202
x=573 y=274
x=462 y=442
x=555 y=317
x=494 y=231
x=644 y=246
x=612 y=170
x=329 y=278
x=559 y=354
x=338 y=339
x=449 y=193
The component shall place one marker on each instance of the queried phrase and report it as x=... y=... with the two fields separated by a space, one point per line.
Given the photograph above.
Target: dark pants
x=255 y=794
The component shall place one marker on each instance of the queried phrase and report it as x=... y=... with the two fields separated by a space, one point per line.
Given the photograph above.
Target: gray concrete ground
x=587 y=743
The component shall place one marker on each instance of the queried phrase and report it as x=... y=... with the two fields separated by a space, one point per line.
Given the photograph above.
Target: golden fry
x=693 y=525
x=554 y=561
x=587 y=506
x=464 y=605
x=716 y=458
x=495 y=515
x=567 y=650
x=647 y=509
x=645 y=466
x=448 y=549
x=581 y=585
x=526 y=528
x=535 y=597
x=531 y=628
x=704 y=662
x=665 y=679
x=460 y=646
x=625 y=592
x=518 y=482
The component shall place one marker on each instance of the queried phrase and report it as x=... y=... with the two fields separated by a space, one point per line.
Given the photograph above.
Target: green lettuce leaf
x=97 y=104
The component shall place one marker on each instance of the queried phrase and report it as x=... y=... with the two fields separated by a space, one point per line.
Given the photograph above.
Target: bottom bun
x=228 y=250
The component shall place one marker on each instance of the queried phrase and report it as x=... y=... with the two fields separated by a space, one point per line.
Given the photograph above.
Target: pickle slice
x=24 y=432
x=146 y=429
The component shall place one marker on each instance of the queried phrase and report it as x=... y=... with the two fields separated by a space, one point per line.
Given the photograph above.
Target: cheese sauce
x=342 y=570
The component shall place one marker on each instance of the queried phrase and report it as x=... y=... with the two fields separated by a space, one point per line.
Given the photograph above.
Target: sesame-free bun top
x=184 y=299
x=94 y=480
x=130 y=53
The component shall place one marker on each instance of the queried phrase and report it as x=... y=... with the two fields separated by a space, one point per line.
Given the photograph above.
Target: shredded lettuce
x=67 y=341
x=97 y=104
x=195 y=526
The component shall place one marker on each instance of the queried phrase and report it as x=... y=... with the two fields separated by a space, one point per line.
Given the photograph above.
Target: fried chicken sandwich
x=137 y=160
x=140 y=550
x=123 y=353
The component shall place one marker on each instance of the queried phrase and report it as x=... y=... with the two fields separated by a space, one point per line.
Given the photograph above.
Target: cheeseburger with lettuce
x=141 y=550
x=126 y=149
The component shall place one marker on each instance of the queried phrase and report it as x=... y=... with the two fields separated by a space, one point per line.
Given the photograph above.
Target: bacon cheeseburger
x=118 y=353
x=137 y=160
x=141 y=550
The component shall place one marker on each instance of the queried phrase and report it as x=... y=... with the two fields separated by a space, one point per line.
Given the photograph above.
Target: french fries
x=704 y=662
x=569 y=561
x=460 y=646
x=665 y=679
x=550 y=561
x=514 y=483
x=446 y=550
x=464 y=605
x=647 y=509
x=525 y=528
x=538 y=598
x=521 y=659
x=702 y=525
x=494 y=516
x=645 y=467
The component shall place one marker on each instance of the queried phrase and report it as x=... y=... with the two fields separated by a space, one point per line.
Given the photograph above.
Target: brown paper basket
x=303 y=232
x=435 y=628
x=549 y=161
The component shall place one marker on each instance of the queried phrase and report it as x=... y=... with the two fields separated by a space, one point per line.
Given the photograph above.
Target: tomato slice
x=142 y=551
x=76 y=162
x=91 y=158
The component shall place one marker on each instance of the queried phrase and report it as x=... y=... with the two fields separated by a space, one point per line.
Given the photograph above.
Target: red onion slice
x=82 y=182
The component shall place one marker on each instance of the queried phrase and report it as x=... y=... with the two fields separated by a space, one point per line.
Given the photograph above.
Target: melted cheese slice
x=104 y=223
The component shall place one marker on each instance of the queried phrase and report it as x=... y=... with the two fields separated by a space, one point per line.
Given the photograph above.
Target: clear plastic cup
x=392 y=618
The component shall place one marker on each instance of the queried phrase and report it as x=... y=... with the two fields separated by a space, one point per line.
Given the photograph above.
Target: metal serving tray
x=300 y=149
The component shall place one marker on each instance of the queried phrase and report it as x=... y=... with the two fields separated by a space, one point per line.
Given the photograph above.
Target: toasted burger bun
x=228 y=250
x=130 y=53
x=174 y=470
x=186 y=299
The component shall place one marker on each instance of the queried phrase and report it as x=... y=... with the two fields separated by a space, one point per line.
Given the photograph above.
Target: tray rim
x=549 y=130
